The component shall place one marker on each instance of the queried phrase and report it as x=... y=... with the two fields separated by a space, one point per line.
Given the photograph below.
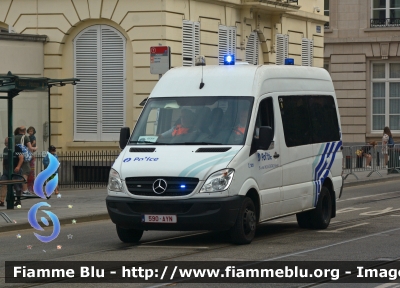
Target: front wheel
x=129 y=235
x=245 y=226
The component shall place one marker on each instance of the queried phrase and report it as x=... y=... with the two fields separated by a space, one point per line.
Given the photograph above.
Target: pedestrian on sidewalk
x=32 y=163
x=46 y=162
x=18 y=161
x=387 y=142
x=21 y=138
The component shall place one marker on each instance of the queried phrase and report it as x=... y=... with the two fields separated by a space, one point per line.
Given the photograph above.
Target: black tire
x=321 y=215
x=245 y=226
x=304 y=219
x=129 y=235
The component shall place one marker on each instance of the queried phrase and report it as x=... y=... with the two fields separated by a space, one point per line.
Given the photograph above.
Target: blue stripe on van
x=207 y=163
x=324 y=165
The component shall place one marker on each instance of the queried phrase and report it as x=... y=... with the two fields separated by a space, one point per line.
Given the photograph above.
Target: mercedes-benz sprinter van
x=249 y=144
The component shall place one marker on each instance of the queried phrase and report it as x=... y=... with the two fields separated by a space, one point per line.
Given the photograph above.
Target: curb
x=371 y=181
x=79 y=219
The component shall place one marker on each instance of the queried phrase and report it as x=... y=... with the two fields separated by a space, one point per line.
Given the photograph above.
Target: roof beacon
x=289 y=61
x=229 y=59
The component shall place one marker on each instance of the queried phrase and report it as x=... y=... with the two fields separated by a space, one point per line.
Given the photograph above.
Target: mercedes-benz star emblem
x=159 y=186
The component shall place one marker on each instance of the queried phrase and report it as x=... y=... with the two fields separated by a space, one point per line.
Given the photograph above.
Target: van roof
x=241 y=80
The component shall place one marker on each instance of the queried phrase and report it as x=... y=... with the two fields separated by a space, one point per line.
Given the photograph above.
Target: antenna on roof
x=201 y=61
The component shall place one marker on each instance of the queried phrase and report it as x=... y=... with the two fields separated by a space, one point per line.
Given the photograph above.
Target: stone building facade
x=362 y=53
x=107 y=44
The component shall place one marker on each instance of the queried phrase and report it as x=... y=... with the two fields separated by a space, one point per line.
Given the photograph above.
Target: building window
x=99 y=100
x=190 y=42
x=385 y=96
x=282 y=48
x=326 y=12
x=252 y=49
x=226 y=42
x=385 y=13
x=307 y=52
x=326 y=65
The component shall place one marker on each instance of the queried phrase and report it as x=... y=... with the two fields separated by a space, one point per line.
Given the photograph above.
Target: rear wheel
x=321 y=215
x=245 y=226
x=129 y=235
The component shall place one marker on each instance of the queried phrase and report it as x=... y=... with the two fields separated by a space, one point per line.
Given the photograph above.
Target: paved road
x=366 y=228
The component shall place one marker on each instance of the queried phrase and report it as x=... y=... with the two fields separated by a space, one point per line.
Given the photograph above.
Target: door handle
x=276 y=155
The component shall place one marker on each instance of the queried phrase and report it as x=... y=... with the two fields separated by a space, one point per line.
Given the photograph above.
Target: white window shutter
x=112 y=83
x=86 y=93
x=307 y=52
x=190 y=42
x=282 y=48
x=226 y=42
x=252 y=49
x=99 y=111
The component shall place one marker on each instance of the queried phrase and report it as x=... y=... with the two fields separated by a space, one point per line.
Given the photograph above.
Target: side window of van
x=265 y=117
x=324 y=121
x=309 y=120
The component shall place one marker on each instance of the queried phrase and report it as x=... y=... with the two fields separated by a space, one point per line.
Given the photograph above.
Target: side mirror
x=124 y=137
x=265 y=137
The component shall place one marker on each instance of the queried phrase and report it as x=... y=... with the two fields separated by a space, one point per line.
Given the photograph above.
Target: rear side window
x=309 y=120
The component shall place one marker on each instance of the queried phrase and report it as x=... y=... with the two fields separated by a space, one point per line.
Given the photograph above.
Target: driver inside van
x=240 y=128
x=186 y=126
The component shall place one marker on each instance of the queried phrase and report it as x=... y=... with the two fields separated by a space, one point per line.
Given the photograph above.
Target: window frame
x=387 y=22
x=102 y=94
x=327 y=13
x=387 y=80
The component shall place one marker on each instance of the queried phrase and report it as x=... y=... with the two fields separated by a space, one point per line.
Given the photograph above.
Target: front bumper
x=192 y=214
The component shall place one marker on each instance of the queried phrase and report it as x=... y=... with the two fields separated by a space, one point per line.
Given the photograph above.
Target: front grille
x=176 y=186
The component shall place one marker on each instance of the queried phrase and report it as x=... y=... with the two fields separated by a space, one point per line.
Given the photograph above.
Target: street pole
x=10 y=192
x=48 y=95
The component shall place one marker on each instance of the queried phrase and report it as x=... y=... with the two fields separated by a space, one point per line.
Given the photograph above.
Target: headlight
x=218 y=181
x=114 y=181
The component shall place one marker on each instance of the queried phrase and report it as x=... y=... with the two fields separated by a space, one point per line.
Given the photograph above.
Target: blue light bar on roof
x=229 y=59
x=289 y=61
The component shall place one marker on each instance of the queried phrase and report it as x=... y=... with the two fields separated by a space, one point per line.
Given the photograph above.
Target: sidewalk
x=90 y=205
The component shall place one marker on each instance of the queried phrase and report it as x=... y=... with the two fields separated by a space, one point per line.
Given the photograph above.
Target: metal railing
x=80 y=169
x=370 y=158
x=385 y=22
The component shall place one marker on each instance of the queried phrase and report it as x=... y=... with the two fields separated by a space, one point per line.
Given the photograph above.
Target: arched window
x=99 y=100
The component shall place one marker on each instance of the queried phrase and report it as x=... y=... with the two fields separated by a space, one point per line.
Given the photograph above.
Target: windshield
x=193 y=121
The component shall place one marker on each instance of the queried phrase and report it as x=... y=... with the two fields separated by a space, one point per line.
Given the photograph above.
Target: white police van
x=249 y=144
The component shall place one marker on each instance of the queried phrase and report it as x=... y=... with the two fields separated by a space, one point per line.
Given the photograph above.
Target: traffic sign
x=160 y=59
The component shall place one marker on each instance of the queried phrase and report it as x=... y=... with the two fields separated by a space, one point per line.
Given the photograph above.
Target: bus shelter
x=10 y=86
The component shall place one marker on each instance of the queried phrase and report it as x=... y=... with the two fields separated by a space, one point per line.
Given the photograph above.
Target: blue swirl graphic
x=44 y=175
x=32 y=220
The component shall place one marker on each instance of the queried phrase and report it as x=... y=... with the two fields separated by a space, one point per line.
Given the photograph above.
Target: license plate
x=159 y=218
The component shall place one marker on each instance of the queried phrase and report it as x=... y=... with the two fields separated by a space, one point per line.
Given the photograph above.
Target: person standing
x=32 y=163
x=387 y=141
x=18 y=161
x=21 y=138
